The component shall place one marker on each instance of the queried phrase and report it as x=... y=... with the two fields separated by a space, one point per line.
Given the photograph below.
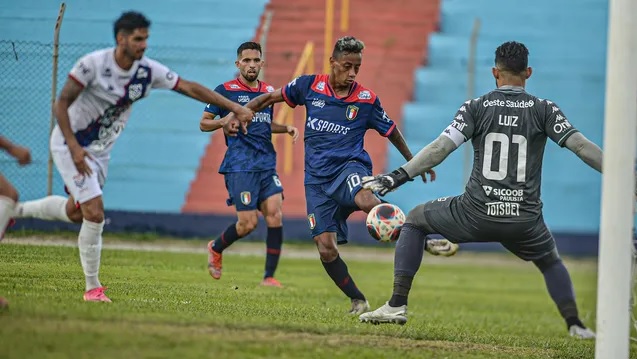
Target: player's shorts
x=82 y=188
x=528 y=240
x=247 y=190
x=329 y=204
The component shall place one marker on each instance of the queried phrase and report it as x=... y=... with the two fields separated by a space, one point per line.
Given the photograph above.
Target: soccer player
x=339 y=112
x=92 y=111
x=249 y=165
x=8 y=193
x=508 y=128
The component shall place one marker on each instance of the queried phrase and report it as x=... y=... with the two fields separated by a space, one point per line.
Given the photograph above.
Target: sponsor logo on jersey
x=246 y=198
x=561 y=124
x=351 y=112
x=503 y=209
x=141 y=73
x=364 y=95
x=326 y=126
x=508 y=103
x=317 y=102
x=107 y=72
x=243 y=99
x=170 y=75
x=234 y=86
x=262 y=117
x=311 y=220
x=505 y=194
x=269 y=88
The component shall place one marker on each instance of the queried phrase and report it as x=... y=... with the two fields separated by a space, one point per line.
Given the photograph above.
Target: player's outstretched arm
x=265 y=100
x=586 y=150
x=22 y=154
x=398 y=140
x=430 y=156
x=205 y=95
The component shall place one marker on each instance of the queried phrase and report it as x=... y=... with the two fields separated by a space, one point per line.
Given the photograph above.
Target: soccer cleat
x=271 y=282
x=386 y=314
x=580 y=332
x=96 y=295
x=441 y=247
x=358 y=306
x=214 y=262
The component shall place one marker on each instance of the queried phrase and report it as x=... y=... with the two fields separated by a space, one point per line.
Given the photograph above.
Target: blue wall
x=161 y=147
x=567 y=45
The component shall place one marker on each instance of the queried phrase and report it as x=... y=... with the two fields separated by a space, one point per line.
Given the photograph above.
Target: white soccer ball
x=384 y=222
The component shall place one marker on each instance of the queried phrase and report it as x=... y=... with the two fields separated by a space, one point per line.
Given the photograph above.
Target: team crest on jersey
x=246 y=198
x=311 y=220
x=135 y=92
x=352 y=112
x=320 y=86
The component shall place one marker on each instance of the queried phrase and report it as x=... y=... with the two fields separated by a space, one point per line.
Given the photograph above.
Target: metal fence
x=26 y=70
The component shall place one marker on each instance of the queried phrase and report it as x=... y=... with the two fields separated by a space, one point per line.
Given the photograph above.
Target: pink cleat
x=214 y=262
x=96 y=295
x=271 y=282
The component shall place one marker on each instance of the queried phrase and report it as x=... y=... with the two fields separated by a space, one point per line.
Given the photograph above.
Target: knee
x=73 y=211
x=274 y=218
x=246 y=225
x=547 y=261
x=326 y=246
x=93 y=211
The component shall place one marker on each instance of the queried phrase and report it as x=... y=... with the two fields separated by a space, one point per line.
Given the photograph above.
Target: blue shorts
x=248 y=189
x=330 y=203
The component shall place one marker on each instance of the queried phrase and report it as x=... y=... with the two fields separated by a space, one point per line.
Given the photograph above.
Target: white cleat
x=359 y=306
x=386 y=314
x=581 y=333
x=441 y=247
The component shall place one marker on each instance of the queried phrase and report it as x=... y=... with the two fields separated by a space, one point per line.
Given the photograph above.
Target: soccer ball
x=384 y=222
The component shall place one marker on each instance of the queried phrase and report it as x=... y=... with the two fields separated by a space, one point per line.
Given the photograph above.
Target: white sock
x=6 y=212
x=90 y=244
x=51 y=208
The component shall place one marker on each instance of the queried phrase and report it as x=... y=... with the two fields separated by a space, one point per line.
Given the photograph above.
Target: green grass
x=166 y=306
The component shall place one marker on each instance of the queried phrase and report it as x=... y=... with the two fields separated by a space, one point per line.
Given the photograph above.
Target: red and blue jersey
x=252 y=152
x=335 y=126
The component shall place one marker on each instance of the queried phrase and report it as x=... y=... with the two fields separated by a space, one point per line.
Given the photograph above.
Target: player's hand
x=230 y=125
x=22 y=154
x=79 y=155
x=294 y=132
x=431 y=173
x=244 y=114
x=385 y=183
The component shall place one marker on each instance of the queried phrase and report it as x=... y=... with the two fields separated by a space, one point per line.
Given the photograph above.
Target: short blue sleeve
x=214 y=109
x=294 y=93
x=380 y=121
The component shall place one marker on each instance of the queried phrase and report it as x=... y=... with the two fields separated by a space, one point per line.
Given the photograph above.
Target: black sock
x=560 y=287
x=224 y=241
x=273 y=242
x=407 y=257
x=337 y=270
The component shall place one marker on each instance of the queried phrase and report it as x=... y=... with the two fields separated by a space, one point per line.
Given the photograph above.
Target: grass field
x=166 y=306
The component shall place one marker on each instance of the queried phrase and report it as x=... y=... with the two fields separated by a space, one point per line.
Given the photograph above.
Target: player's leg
x=8 y=200
x=434 y=217
x=51 y=208
x=271 y=207
x=324 y=224
x=87 y=190
x=538 y=245
x=241 y=189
